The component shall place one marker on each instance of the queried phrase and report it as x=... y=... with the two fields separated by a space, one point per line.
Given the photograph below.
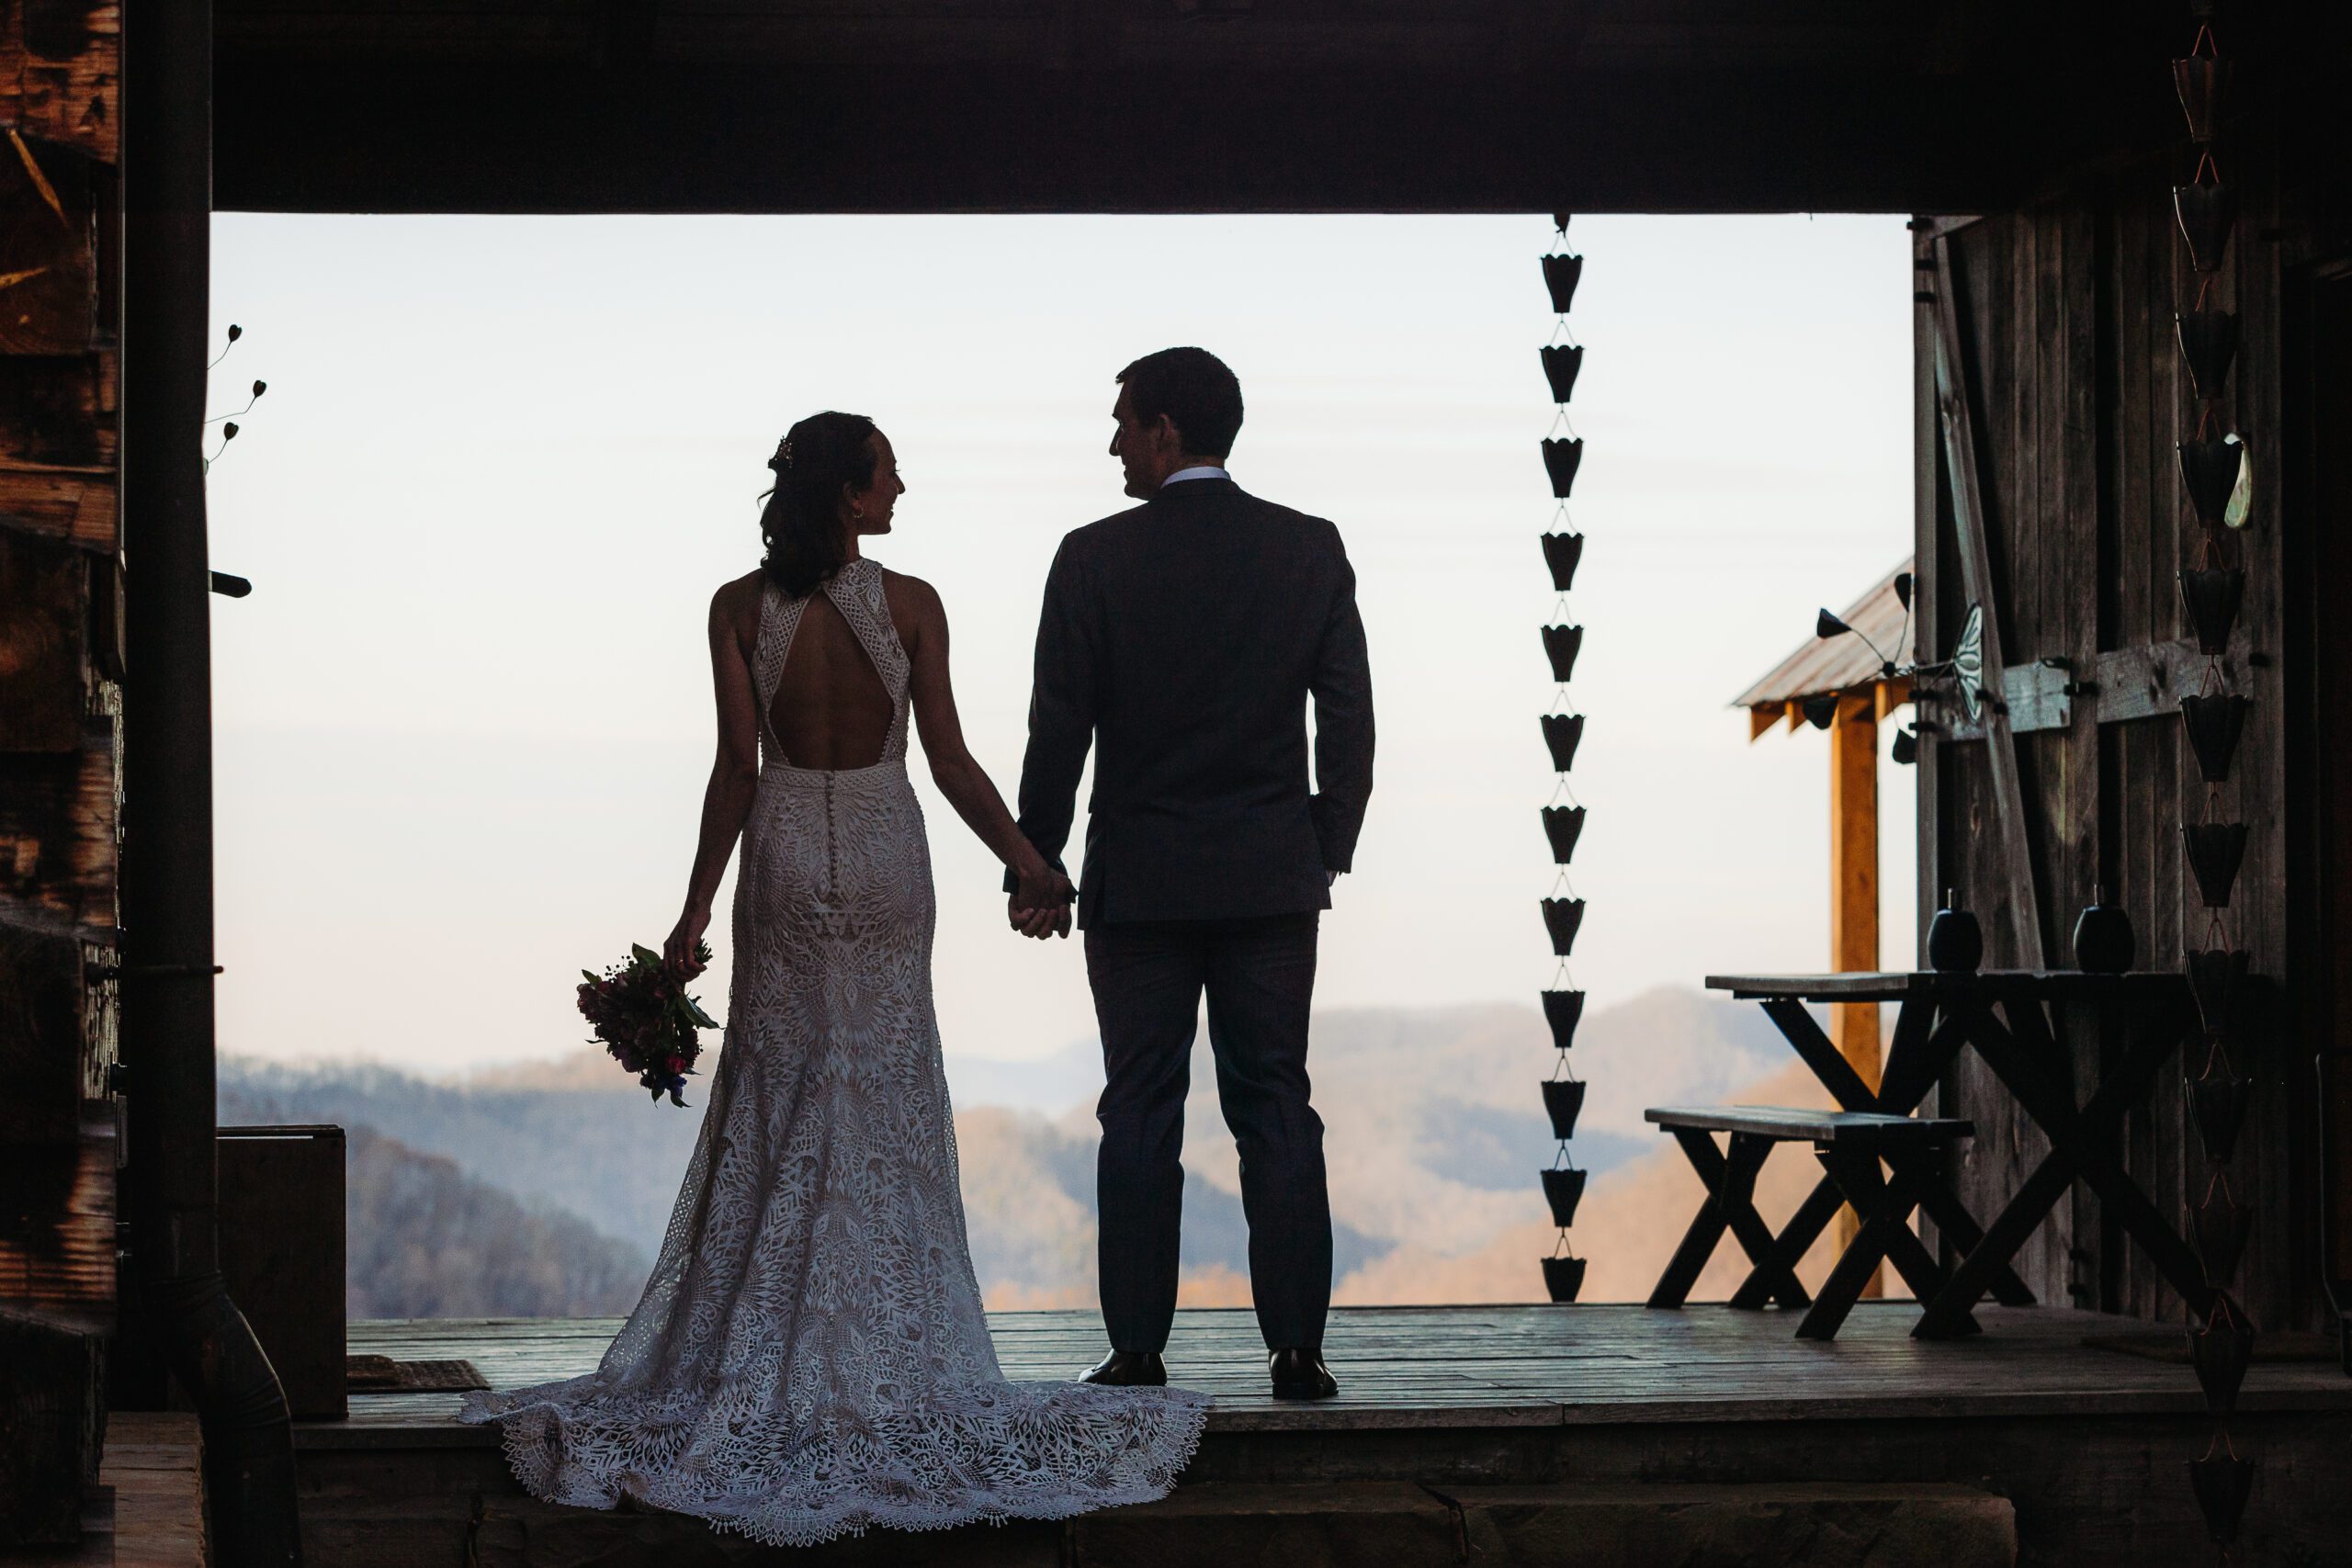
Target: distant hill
x=424 y=1240
x=1434 y=1135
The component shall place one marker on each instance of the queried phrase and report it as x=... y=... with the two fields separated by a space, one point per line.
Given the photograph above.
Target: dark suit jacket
x=1183 y=638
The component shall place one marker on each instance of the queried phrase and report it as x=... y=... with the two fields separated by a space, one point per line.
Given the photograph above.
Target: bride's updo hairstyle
x=802 y=521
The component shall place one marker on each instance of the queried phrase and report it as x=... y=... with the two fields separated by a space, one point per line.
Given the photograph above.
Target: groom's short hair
x=1193 y=387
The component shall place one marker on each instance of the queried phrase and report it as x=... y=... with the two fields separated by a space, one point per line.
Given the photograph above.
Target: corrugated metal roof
x=1841 y=663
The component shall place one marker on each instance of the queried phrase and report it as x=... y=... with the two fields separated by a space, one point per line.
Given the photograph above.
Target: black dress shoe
x=1129 y=1369
x=1301 y=1374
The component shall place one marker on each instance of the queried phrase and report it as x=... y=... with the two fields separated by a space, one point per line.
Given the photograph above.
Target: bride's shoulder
x=739 y=592
x=913 y=603
x=736 y=602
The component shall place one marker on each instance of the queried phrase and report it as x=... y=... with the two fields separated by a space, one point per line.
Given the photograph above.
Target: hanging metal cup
x=2221 y=1352
x=2217 y=1109
x=1563 y=1190
x=2212 y=599
x=2222 y=1484
x=1563 y=1099
x=1560 y=553
x=1563 y=1278
x=2215 y=850
x=1562 y=456
x=2214 y=724
x=2220 y=1228
x=1561 y=362
x=1562 y=1011
x=1562 y=917
x=1562 y=825
x=1562 y=731
x=1561 y=645
x=2217 y=978
x=1560 y=277
x=2209 y=471
x=2209 y=342
x=2201 y=80
x=2207 y=210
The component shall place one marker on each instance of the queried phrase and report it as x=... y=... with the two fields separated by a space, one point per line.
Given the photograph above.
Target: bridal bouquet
x=644 y=1018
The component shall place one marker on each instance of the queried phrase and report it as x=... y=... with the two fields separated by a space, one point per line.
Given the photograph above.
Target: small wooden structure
x=1847 y=684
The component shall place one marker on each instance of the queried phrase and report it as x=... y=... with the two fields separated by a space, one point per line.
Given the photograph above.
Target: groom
x=1183 y=638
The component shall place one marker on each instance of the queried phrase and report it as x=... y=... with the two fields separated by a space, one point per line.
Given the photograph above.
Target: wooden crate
x=281 y=1250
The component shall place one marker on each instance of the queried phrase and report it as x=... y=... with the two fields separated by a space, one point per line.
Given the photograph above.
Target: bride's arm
x=734 y=779
x=960 y=778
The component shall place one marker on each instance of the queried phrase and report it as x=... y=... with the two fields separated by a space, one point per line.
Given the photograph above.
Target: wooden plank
x=1806 y=1126
x=41 y=977
x=57 y=1252
x=52 y=1408
x=60 y=68
x=44 y=625
x=1853 y=876
x=2036 y=698
x=2014 y=901
x=59 y=412
x=1431 y=1369
x=58 y=835
x=155 y=1465
x=49 y=256
x=77 y=503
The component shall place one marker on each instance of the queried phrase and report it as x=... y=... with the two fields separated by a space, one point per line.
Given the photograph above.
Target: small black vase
x=1955 y=942
x=2103 y=941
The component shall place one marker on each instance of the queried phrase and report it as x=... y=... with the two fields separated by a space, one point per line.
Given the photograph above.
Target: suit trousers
x=1258 y=975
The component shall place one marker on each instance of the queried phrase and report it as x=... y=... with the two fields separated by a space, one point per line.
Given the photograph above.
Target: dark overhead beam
x=1067 y=135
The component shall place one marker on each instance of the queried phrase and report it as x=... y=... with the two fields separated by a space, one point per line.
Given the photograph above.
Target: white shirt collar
x=1197 y=471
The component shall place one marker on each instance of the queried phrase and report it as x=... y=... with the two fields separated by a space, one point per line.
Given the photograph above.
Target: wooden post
x=2015 y=903
x=1853 y=895
x=60 y=700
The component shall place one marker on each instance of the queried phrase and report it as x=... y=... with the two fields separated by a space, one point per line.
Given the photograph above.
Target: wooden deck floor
x=1480 y=1413
x=1494 y=1366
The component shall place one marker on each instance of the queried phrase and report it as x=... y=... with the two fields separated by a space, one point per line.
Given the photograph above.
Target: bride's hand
x=678 y=953
x=1040 y=908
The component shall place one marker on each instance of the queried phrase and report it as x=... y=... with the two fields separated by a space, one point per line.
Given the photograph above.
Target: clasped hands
x=1040 y=904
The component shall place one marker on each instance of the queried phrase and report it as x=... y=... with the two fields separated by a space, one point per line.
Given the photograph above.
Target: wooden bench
x=1850 y=1144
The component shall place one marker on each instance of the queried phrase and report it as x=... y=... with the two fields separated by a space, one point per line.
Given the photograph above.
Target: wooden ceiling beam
x=380 y=135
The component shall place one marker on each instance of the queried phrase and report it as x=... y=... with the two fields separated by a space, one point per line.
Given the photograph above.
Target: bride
x=809 y=1356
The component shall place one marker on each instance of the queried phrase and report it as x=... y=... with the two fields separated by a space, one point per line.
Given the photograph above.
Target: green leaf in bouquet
x=643 y=954
x=701 y=1018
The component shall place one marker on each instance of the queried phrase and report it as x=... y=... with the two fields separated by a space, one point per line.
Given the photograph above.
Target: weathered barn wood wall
x=2079 y=393
x=61 y=665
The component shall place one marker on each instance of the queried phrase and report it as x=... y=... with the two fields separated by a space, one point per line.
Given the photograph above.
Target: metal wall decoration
x=2213 y=459
x=1563 y=819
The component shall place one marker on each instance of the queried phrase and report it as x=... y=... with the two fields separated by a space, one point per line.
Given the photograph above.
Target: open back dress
x=810 y=1357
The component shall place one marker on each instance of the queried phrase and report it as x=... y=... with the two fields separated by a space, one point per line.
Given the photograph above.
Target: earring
x=857 y=513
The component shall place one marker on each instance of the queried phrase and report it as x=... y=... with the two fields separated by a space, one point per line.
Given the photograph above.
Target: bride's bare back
x=831 y=711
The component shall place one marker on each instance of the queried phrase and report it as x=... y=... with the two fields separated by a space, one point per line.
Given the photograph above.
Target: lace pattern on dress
x=810 y=1357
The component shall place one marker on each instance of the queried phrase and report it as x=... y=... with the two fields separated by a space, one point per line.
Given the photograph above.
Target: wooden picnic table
x=2041 y=1033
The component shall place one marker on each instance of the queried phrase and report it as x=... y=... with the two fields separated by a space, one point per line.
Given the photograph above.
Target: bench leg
x=1774 y=1276
x=1706 y=1228
x=1885 y=1208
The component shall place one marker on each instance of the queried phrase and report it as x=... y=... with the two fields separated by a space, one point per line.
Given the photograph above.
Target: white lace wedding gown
x=809 y=1356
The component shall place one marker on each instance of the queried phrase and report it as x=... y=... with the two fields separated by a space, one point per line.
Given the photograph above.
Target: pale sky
x=464 y=720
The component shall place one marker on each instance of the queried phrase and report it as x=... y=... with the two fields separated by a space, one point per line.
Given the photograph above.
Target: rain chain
x=2212 y=474
x=1563 y=819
